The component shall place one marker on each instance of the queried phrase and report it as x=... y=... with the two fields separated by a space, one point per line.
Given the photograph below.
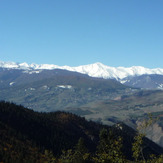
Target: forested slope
x=26 y=135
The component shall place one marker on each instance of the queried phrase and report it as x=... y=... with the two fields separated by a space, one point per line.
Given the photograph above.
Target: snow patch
x=123 y=81
x=12 y=83
x=32 y=72
x=160 y=86
x=45 y=87
x=32 y=89
x=64 y=86
x=29 y=89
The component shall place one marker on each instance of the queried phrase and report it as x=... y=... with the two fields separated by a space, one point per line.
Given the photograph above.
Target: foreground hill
x=26 y=134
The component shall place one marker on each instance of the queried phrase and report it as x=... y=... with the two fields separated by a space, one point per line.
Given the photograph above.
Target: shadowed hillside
x=26 y=134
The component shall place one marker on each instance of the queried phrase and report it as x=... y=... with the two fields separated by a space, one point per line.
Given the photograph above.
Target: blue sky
x=78 y=32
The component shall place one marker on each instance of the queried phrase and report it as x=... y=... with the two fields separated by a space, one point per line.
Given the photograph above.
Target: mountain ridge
x=94 y=70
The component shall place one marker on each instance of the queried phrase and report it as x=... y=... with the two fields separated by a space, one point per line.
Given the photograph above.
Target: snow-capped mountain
x=94 y=70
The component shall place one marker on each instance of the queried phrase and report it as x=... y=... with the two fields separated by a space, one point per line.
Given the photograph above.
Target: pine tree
x=78 y=155
x=109 y=148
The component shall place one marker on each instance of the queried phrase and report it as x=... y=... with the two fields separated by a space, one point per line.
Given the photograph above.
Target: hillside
x=56 y=89
x=23 y=129
x=152 y=81
x=130 y=109
x=26 y=134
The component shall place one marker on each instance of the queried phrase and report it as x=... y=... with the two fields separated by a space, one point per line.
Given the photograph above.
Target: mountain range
x=136 y=76
x=94 y=70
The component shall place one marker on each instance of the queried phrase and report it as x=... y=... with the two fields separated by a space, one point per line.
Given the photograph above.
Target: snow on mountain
x=95 y=70
x=65 y=86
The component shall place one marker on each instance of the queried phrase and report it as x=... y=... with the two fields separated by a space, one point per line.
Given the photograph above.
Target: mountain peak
x=95 y=70
x=98 y=64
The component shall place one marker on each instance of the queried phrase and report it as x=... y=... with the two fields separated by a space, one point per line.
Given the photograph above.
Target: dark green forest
x=60 y=137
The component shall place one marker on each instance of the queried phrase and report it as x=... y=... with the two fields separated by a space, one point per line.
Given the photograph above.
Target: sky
x=80 y=32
